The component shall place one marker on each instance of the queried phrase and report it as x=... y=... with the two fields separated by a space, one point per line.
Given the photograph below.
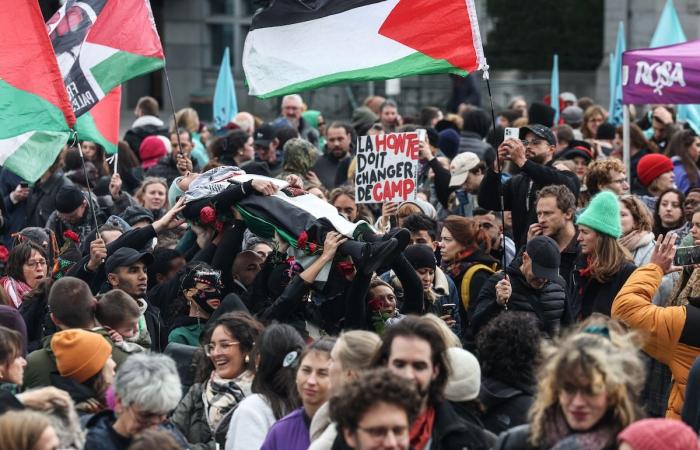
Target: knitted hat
x=464 y=381
x=651 y=166
x=654 y=434
x=449 y=142
x=152 y=149
x=80 y=354
x=68 y=199
x=420 y=256
x=603 y=215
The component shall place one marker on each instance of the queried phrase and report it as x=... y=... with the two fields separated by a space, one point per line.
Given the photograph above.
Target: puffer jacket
x=674 y=331
x=190 y=419
x=548 y=303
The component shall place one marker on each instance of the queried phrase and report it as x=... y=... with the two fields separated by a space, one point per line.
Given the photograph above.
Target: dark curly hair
x=509 y=348
x=356 y=397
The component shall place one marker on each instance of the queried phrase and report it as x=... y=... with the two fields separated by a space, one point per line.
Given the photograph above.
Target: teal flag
x=668 y=32
x=225 y=105
x=615 y=115
x=554 y=89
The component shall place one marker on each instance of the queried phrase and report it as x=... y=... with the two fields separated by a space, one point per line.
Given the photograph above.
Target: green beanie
x=603 y=215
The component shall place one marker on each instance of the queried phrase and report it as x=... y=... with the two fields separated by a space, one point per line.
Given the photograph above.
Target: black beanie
x=606 y=132
x=541 y=113
x=433 y=137
x=68 y=199
x=420 y=256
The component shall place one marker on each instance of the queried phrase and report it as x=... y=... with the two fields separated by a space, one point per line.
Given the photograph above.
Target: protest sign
x=387 y=167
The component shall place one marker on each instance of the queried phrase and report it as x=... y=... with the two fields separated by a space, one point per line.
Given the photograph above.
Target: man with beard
x=415 y=350
x=338 y=144
x=532 y=153
x=556 y=207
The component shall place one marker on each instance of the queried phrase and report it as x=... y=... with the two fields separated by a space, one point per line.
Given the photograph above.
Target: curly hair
x=598 y=174
x=509 y=348
x=599 y=351
x=375 y=386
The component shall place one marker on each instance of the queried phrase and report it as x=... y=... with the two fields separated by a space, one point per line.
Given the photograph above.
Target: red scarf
x=422 y=429
x=588 y=270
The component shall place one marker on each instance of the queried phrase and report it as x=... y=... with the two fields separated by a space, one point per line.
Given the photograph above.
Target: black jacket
x=450 y=431
x=549 y=303
x=134 y=136
x=101 y=435
x=505 y=405
x=515 y=439
x=42 y=199
x=586 y=295
x=520 y=192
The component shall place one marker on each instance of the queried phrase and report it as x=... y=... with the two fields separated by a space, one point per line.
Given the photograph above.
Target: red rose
x=312 y=247
x=218 y=226
x=301 y=241
x=4 y=253
x=72 y=236
x=207 y=215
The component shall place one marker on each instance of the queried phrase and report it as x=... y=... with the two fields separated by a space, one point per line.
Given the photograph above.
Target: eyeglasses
x=527 y=142
x=224 y=346
x=383 y=432
x=35 y=264
x=620 y=181
x=144 y=417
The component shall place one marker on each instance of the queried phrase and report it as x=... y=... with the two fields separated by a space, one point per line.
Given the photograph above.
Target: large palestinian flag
x=295 y=45
x=35 y=115
x=101 y=123
x=100 y=44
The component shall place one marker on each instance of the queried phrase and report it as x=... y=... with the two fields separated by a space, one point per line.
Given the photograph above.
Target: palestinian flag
x=100 y=44
x=293 y=45
x=101 y=123
x=34 y=110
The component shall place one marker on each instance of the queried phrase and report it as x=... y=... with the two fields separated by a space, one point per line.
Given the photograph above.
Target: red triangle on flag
x=440 y=29
x=106 y=115
x=127 y=25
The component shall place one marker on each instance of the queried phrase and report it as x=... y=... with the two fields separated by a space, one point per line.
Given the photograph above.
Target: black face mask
x=201 y=299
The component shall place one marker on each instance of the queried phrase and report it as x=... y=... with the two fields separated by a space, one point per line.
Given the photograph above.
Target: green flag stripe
x=31 y=159
x=87 y=131
x=123 y=66
x=22 y=111
x=414 y=64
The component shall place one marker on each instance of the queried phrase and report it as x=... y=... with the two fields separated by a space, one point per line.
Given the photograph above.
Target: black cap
x=68 y=199
x=125 y=257
x=544 y=253
x=136 y=213
x=264 y=135
x=420 y=256
x=577 y=148
x=539 y=131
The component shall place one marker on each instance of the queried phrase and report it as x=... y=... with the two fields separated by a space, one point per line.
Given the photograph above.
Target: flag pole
x=172 y=105
x=87 y=183
x=626 y=142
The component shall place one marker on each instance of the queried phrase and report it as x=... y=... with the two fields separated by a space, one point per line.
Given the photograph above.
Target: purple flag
x=669 y=75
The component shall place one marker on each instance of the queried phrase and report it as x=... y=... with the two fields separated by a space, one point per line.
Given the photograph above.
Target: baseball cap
x=544 y=253
x=577 y=148
x=568 y=97
x=125 y=257
x=264 y=135
x=539 y=131
x=136 y=213
x=460 y=167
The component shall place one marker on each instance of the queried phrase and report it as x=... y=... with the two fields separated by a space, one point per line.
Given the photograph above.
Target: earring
x=247 y=359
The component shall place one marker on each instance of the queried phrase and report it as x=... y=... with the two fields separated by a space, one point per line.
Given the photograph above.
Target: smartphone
x=511 y=133
x=23 y=184
x=687 y=256
x=448 y=309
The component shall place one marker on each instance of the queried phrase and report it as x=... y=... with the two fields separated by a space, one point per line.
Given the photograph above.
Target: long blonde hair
x=600 y=351
x=138 y=195
x=21 y=430
x=609 y=258
x=356 y=348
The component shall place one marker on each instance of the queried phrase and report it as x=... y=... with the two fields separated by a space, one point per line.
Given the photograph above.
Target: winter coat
x=326 y=169
x=470 y=141
x=450 y=431
x=673 y=330
x=42 y=363
x=681 y=178
x=517 y=438
x=520 y=193
x=505 y=406
x=291 y=432
x=187 y=330
x=548 y=303
x=143 y=127
x=83 y=228
x=641 y=256
x=101 y=434
x=249 y=424
x=587 y=295
x=322 y=430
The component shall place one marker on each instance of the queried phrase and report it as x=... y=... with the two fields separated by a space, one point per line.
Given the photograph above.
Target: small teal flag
x=668 y=32
x=615 y=115
x=554 y=92
x=225 y=106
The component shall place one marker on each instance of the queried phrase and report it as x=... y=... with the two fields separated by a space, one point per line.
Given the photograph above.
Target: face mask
x=202 y=297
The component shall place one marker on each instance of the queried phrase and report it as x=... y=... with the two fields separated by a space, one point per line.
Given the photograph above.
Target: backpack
x=467 y=281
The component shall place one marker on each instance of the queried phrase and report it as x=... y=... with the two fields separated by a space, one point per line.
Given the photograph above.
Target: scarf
x=220 y=396
x=460 y=265
x=558 y=435
x=587 y=271
x=422 y=429
x=15 y=289
x=635 y=239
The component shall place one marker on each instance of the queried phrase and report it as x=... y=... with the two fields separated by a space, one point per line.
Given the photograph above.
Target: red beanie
x=659 y=434
x=651 y=166
x=153 y=148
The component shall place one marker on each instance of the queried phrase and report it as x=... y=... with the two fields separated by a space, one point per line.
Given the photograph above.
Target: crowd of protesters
x=223 y=289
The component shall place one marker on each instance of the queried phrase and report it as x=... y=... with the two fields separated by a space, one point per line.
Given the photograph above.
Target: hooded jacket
x=674 y=330
x=506 y=405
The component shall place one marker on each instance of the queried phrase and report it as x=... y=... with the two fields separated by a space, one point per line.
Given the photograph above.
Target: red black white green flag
x=295 y=45
x=100 y=44
x=35 y=113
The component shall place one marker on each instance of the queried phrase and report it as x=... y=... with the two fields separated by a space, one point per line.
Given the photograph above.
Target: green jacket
x=187 y=334
x=41 y=363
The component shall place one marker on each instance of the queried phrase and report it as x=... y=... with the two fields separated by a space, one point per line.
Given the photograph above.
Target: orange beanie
x=80 y=354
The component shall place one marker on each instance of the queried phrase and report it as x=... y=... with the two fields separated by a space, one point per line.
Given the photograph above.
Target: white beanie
x=464 y=381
